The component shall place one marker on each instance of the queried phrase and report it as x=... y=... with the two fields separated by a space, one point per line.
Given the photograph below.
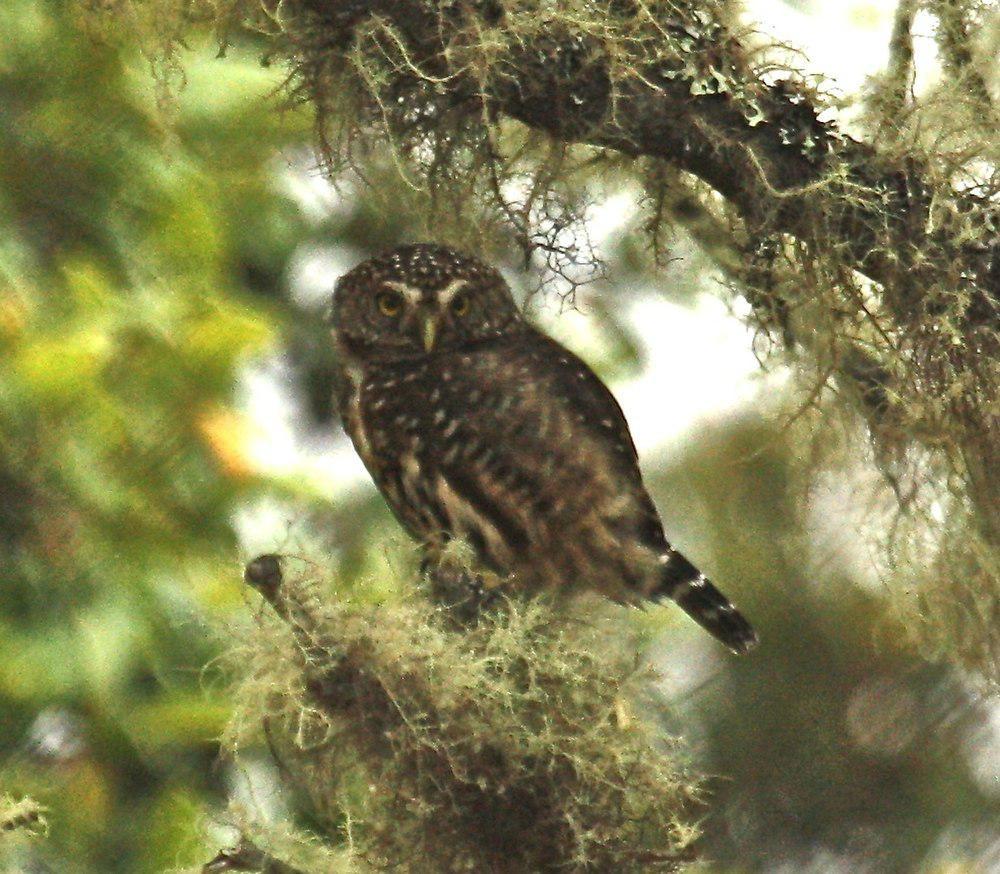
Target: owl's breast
x=392 y=411
x=389 y=429
x=535 y=466
x=515 y=448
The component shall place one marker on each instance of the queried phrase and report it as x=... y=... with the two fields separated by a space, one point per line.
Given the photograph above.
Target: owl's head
x=418 y=300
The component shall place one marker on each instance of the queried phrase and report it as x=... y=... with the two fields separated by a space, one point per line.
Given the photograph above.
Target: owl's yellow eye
x=389 y=303
x=460 y=304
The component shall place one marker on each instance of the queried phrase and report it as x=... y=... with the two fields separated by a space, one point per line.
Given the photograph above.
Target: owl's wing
x=533 y=462
x=597 y=421
x=533 y=458
x=586 y=396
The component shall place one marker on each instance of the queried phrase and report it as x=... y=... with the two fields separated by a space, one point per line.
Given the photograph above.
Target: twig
x=899 y=73
x=247 y=856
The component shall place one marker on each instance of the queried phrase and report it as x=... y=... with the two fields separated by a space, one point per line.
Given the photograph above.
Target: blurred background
x=165 y=415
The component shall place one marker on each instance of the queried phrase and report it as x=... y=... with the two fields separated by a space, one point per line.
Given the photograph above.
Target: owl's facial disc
x=427 y=310
x=420 y=299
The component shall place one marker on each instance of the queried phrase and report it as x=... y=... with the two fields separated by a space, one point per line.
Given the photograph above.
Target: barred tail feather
x=683 y=583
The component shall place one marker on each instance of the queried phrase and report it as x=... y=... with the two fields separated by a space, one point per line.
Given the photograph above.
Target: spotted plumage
x=474 y=424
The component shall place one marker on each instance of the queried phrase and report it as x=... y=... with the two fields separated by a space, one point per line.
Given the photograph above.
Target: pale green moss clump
x=513 y=745
x=25 y=816
x=22 y=821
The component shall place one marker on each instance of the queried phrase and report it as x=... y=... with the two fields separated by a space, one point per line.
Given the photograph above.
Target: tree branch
x=247 y=856
x=502 y=747
x=705 y=110
x=899 y=73
x=954 y=36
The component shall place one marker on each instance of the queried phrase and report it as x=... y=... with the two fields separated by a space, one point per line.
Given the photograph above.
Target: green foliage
x=123 y=322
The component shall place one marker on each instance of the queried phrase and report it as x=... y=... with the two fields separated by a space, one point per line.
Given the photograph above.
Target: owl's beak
x=430 y=331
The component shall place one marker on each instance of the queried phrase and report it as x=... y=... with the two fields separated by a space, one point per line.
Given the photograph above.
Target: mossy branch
x=690 y=95
x=511 y=746
x=899 y=73
x=21 y=821
x=957 y=22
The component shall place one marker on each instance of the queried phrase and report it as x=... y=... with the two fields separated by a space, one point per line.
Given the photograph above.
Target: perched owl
x=475 y=425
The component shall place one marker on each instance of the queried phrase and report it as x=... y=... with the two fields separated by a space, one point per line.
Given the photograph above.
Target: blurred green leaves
x=142 y=249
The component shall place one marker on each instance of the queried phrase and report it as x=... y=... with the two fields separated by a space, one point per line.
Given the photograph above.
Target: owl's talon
x=464 y=595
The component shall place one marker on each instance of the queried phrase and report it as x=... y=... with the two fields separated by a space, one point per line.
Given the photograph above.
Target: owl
x=476 y=425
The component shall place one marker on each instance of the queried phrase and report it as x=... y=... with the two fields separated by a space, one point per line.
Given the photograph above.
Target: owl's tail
x=682 y=582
